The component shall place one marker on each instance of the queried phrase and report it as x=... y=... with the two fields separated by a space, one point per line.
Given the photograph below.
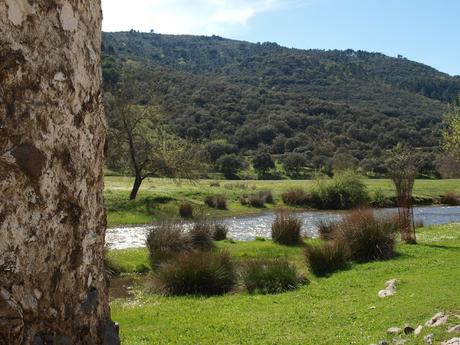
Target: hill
x=241 y=97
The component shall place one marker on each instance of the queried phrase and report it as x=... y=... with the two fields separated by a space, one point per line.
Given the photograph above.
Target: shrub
x=380 y=200
x=326 y=258
x=216 y=201
x=256 y=200
x=197 y=273
x=236 y=185
x=221 y=202
x=286 y=228
x=244 y=200
x=141 y=268
x=296 y=197
x=201 y=234
x=267 y=196
x=451 y=198
x=269 y=276
x=368 y=238
x=220 y=232
x=327 y=230
x=186 y=210
x=344 y=191
x=165 y=240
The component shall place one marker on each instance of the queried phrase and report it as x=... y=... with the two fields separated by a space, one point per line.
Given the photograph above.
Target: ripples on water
x=249 y=227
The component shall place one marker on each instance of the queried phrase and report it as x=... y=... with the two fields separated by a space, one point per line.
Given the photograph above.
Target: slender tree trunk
x=52 y=133
x=136 y=186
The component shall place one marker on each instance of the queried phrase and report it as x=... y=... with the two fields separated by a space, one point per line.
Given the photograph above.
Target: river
x=247 y=228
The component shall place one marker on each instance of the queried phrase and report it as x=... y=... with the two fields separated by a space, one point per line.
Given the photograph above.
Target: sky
x=426 y=31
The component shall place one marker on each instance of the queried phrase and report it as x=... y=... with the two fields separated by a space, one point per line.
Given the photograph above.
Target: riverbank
x=160 y=198
x=341 y=309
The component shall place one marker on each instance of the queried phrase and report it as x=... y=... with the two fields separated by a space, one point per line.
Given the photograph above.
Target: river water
x=249 y=227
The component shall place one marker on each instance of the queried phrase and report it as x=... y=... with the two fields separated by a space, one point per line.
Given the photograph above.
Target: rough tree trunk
x=135 y=189
x=52 y=134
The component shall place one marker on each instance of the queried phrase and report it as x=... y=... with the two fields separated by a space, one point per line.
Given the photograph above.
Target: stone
x=453 y=341
x=418 y=330
x=390 y=289
x=52 y=138
x=428 y=338
x=437 y=320
x=399 y=341
x=454 y=329
x=408 y=329
x=394 y=330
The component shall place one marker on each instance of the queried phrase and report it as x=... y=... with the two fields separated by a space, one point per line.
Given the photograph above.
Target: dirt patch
x=121 y=287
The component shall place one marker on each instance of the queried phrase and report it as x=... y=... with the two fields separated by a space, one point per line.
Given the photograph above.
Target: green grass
x=341 y=309
x=159 y=198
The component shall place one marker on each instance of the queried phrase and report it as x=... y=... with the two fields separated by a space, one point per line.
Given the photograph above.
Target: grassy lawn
x=341 y=309
x=160 y=198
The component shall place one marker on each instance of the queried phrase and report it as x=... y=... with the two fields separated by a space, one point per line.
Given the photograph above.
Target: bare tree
x=138 y=136
x=52 y=134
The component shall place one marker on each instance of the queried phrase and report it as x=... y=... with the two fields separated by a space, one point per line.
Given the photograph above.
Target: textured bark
x=52 y=134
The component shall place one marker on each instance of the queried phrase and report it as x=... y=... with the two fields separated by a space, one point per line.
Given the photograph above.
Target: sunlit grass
x=341 y=309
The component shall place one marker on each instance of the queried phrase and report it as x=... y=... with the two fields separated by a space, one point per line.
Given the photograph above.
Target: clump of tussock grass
x=326 y=258
x=286 y=228
x=165 y=240
x=296 y=197
x=216 y=201
x=220 y=232
x=270 y=276
x=367 y=237
x=197 y=273
x=186 y=210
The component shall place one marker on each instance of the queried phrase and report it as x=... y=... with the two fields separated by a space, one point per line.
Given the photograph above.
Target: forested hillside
x=322 y=106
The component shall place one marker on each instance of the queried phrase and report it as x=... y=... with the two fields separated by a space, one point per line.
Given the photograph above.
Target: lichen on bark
x=52 y=135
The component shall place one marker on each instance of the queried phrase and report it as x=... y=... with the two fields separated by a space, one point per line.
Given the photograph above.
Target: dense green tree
x=230 y=165
x=451 y=133
x=294 y=164
x=262 y=163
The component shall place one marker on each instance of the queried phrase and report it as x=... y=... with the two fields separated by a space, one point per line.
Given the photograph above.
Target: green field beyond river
x=160 y=198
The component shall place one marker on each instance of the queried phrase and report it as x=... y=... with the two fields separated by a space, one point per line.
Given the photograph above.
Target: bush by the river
x=450 y=198
x=165 y=240
x=344 y=191
x=327 y=230
x=270 y=276
x=286 y=228
x=220 y=232
x=197 y=273
x=326 y=257
x=186 y=210
x=216 y=201
x=367 y=237
x=296 y=197
x=201 y=234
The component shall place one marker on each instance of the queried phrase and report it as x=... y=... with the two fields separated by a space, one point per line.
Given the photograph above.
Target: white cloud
x=200 y=17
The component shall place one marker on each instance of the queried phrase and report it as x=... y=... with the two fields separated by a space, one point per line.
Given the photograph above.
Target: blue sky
x=427 y=31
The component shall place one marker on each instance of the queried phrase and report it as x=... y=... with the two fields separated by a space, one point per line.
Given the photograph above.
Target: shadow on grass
x=439 y=246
